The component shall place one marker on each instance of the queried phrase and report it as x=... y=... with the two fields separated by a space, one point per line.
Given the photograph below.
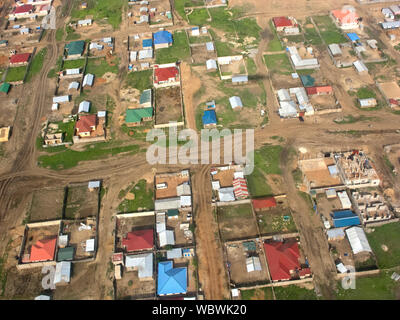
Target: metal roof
x=211 y=64
x=241 y=78
x=171 y=280
x=146 y=54
x=360 y=66
x=209 y=117
x=358 y=240
x=73 y=85
x=88 y=80
x=143 y=262
x=174 y=253
x=61 y=99
x=166 y=237
x=84 y=106
x=210 y=46
x=235 y=102
x=94 y=184
x=63 y=272
x=226 y=194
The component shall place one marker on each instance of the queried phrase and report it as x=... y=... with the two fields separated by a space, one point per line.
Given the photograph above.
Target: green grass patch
x=267 y=159
x=178 y=51
x=386 y=235
x=100 y=66
x=257 y=294
x=59 y=34
x=199 y=39
x=293 y=292
x=36 y=64
x=73 y=64
x=352 y=119
x=298 y=38
x=143 y=198
x=238 y=211
x=15 y=74
x=311 y=35
x=223 y=48
x=251 y=66
x=140 y=80
x=278 y=63
x=198 y=17
x=329 y=32
x=388 y=163
x=70 y=158
x=365 y=93
x=257 y=183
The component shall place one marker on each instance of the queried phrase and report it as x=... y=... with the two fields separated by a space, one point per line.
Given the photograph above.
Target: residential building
x=138 y=240
x=345 y=18
x=209 y=119
x=19 y=59
x=85 y=125
x=142 y=263
x=345 y=218
x=43 y=250
x=358 y=240
x=171 y=280
x=135 y=117
x=75 y=49
x=162 y=39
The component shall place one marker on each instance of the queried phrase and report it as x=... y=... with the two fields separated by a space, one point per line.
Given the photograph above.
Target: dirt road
x=190 y=84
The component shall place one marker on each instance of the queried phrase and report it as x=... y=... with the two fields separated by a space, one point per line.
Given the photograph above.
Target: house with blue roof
x=353 y=36
x=209 y=118
x=147 y=43
x=345 y=218
x=162 y=39
x=171 y=280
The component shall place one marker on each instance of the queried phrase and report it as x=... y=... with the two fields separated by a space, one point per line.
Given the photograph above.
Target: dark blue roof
x=162 y=36
x=171 y=280
x=345 y=218
x=353 y=36
x=147 y=43
x=209 y=117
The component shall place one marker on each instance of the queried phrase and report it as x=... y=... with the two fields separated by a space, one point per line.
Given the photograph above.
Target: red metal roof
x=138 y=240
x=282 y=258
x=43 y=250
x=85 y=123
x=393 y=101
x=345 y=16
x=319 y=89
x=240 y=188
x=163 y=74
x=282 y=22
x=23 y=9
x=269 y=202
x=20 y=58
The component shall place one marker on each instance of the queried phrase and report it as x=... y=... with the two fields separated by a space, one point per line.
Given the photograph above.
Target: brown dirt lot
x=168 y=105
x=81 y=203
x=47 y=204
x=174 y=224
x=172 y=182
x=201 y=55
x=130 y=287
x=225 y=178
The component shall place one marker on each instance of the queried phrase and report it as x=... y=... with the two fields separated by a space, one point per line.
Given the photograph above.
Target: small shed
x=93 y=185
x=73 y=85
x=211 y=64
x=84 y=106
x=175 y=253
x=360 y=66
x=210 y=46
x=240 y=79
x=235 y=102
x=63 y=272
x=88 y=80
x=65 y=254
x=90 y=245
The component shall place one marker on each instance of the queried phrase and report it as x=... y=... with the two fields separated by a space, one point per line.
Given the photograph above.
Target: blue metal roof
x=147 y=43
x=162 y=36
x=209 y=117
x=353 y=36
x=345 y=218
x=171 y=280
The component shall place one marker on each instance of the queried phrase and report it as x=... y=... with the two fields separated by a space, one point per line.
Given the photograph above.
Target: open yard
x=278 y=63
x=130 y=287
x=47 y=204
x=178 y=51
x=15 y=74
x=257 y=294
x=100 y=66
x=329 y=32
x=236 y=222
x=168 y=105
x=138 y=198
x=81 y=202
x=140 y=80
x=275 y=221
x=72 y=64
x=293 y=292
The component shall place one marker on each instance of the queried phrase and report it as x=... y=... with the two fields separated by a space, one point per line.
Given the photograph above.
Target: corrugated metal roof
x=88 y=80
x=335 y=49
x=360 y=66
x=72 y=71
x=84 y=106
x=174 y=253
x=358 y=240
x=63 y=272
x=145 y=54
x=211 y=64
x=235 y=102
x=210 y=46
x=166 y=238
x=226 y=194
x=241 y=78
x=143 y=262
x=60 y=99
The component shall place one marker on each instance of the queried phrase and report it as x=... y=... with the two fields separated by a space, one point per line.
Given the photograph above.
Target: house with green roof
x=5 y=87
x=146 y=99
x=65 y=254
x=134 y=117
x=75 y=49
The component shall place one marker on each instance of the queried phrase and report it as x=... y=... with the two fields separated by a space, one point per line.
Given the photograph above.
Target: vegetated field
x=236 y=222
x=81 y=202
x=198 y=17
x=70 y=158
x=15 y=74
x=352 y=119
x=73 y=64
x=329 y=32
x=365 y=93
x=59 y=34
x=251 y=66
x=71 y=34
x=180 y=6
x=274 y=44
x=377 y=287
x=278 y=63
x=266 y=161
x=257 y=294
x=47 y=204
x=178 y=51
x=386 y=235
x=109 y=10
x=198 y=39
x=140 y=80
x=272 y=221
x=100 y=66
x=36 y=64
x=293 y=292
x=139 y=198
x=310 y=33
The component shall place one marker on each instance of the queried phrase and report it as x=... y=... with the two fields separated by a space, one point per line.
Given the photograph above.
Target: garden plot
x=168 y=105
x=236 y=222
x=236 y=259
x=77 y=236
x=47 y=204
x=81 y=202
x=131 y=287
x=200 y=54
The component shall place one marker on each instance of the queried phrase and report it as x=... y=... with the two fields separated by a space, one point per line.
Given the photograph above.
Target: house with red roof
x=281 y=23
x=19 y=59
x=345 y=18
x=43 y=250
x=319 y=90
x=25 y=10
x=138 y=240
x=166 y=75
x=264 y=203
x=283 y=259
x=86 y=125
x=240 y=188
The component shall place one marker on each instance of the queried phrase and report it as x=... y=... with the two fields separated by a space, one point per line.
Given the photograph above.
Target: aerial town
x=84 y=213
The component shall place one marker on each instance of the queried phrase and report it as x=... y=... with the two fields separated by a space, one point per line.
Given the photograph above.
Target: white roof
x=226 y=194
x=186 y=201
x=215 y=185
x=283 y=95
x=143 y=262
x=240 y=78
x=341 y=268
x=60 y=99
x=88 y=80
x=94 y=184
x=238 y=174
x=72 y=71
x=358 y=240
x=335 y=49
x=86 y=21
x=335 y=233
x=253 y=264
x=344 y=200
x=166 y=237
x=133 y=55
x=287 y=109
x=391 y=24
x=395 y=9
x=84 y=106
x=108 y=40
x=301 y=95
x=235 y=292
x=211 y=64
x=63 y=240
x=235 y=102
x=101 y=114
x=42 y=297
x=360 y=66
x=95 y=45
x=146 y=54
x=73 y=85
x=169 y=203
x=174 y=253
x=330 y=193
x=160 y=222
x=90 y=245
x=367 y=102
x=183 y=189
x=210 y=46
x=54 y=106
x=63 y=272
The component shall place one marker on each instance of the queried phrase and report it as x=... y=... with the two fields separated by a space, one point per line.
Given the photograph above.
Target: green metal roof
x=136 y=115
x=145 y=96
x=75 y=47
x=307 y=80
x=5 y=87
x=65 y=254
x=249 y=245
x=172 y=212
